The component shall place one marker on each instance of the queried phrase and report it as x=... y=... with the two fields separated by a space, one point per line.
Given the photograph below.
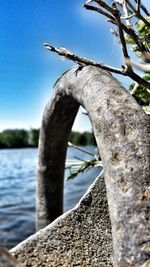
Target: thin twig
x=135 y=77
x=135 y=87
x=128 y=17
x=128 y=30
x=146 y=57
x=138 y=6
x=83 y=167
x=86 y=62
x=99 y=10
x=143 y=8
x=116 y=14
x=138 y=14
x=145 y=67
x=81 y=60
x=133 y=35
x=104 y=5
x=81 y=149
x=125 y=9
x=81 y=160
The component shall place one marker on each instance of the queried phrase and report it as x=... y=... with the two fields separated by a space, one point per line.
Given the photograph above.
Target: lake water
x=17 y=191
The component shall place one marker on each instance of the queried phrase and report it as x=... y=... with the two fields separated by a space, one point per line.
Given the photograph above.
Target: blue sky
x=27 y=70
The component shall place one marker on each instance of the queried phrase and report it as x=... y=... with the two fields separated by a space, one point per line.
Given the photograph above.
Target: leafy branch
x=82 y=165
x=132 y=26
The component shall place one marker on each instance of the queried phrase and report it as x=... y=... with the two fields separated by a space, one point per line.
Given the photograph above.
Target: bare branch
x=116 y=14
x=135 y=77
x=82 y=60
x=83 y=150
x=128 y=17
x=99 y=10
x=138 y=14
x=112 y=13
x=136 y=85
x=104 y=5
x=86 y=62
x=138 y=6
x=143 y=8
x=146 y=57
x=133 y=35
x=125 y=9
x=128 y=30
x=141 y=66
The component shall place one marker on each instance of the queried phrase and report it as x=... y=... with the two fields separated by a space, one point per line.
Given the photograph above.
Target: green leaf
x=129 y=40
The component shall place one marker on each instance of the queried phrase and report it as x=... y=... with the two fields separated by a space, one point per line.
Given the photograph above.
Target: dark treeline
x=22 y=138
x=82 y=139
x=19 y=138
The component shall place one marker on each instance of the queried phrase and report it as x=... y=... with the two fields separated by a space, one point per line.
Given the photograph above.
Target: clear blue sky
x=27 y=70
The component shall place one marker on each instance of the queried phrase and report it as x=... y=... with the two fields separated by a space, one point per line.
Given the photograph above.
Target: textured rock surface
x=121 y=128
x=6 y=260
x=81 y=237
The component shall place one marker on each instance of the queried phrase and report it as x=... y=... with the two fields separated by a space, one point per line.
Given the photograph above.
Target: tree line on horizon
x=20 y=138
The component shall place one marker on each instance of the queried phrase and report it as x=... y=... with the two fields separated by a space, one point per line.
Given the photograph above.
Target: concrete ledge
x=80 y=237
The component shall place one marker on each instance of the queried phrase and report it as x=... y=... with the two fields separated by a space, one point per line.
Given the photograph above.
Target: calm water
x=17 y=192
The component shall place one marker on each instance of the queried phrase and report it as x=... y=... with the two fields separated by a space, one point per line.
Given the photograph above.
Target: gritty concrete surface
x=80 y=237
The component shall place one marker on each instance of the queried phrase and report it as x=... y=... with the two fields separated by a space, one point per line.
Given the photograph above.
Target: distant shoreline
x=27 y=147
x=15 y=139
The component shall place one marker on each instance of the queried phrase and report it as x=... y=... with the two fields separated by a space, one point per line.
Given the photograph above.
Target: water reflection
x=17 y=192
